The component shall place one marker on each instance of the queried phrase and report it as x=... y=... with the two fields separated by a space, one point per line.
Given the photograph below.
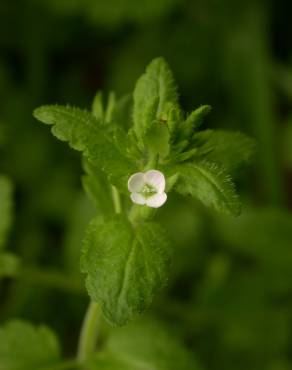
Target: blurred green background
x=230 y=296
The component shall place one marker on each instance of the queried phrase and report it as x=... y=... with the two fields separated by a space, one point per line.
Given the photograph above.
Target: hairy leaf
x=110 y=107
x=5 y=208
x=25 y=347
x=97 y=106
x=97 y=188
x=70 y=124
x=122 y=114
x=84 y=133
x=174 y=120
x=154 y=95
x=210 y=184
x=107 y=112
x=193 y=121
x=230 y=149
x=125 y=267
x=157 y=141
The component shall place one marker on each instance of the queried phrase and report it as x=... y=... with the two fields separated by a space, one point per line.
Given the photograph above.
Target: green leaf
x=122 y=114
x=144 y=345
x=70 y=124
x=85 y=133
x=193 y=121
x=174 y=120
x=9 y=265
x=110 y=108
x=101 y=113
x=97 y=106
x=157 y=141
x=210 y=184
x=184 y=156
x=171 y=181
x=230 y=149
x=125 y=267
x=154 y=94
x=5 y=208
x=25 y=347
x=132 y=146
x=97 y=188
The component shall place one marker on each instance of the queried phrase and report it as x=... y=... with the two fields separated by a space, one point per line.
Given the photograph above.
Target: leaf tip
x=43 y=114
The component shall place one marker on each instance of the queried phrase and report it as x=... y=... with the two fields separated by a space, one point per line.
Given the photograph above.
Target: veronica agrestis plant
x=136 y=152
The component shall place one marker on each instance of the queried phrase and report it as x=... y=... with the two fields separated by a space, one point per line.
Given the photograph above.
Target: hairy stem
x=89 y=332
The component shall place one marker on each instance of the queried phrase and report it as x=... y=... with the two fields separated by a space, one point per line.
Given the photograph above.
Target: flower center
x=148 y=190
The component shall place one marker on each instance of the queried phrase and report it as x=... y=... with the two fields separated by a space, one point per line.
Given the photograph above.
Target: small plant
x=137 y=151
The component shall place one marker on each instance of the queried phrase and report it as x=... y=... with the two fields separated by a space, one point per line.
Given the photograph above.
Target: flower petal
x=156 y=179
x=156 y=200
x=138 y=198
x=136 y=182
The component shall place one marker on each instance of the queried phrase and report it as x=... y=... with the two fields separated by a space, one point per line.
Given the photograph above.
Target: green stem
x=89 y=332
x=139 y=214
x=116 y=200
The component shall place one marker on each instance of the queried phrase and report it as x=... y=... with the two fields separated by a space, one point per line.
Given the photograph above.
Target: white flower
x=148 y=188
